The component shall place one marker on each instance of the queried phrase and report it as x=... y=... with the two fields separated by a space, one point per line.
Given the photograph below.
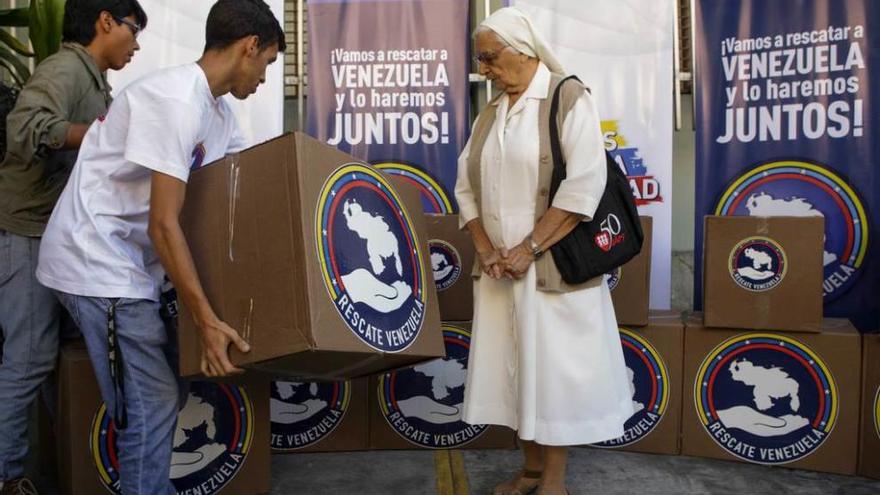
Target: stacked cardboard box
x=221 y=442
x=869 y=451
x=776 y=398
x=452 y=258
x=763 y=273
x=653 y=357
x=319 y=416
x=630 y=284
x=421 y=406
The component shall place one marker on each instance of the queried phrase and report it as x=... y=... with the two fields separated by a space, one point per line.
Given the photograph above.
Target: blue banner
x=787 y=123
x=388 y=83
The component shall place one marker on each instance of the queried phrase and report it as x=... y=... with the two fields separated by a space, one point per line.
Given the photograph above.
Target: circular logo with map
x=370 y=258
x=214 y=433
x=766 y=398
x=798 y=188
x=434 y=197
x=612 y=278
x=757 y=264
x=423 y=404
x=303 y=414
x=877 y=412
x=649 y=386
x=446 y=263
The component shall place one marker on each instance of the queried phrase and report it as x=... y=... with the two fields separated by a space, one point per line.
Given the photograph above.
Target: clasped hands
x=507 y=263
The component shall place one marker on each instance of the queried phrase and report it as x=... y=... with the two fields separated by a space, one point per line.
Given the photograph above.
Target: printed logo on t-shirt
x=198 y=156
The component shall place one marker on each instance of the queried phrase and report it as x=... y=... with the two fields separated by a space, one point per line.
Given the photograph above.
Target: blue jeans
x=148 y=346
x=29 y=318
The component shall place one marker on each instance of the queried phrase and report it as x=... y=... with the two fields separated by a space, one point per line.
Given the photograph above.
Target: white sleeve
x=584 y=152
x=464 y=195
x=162 y=134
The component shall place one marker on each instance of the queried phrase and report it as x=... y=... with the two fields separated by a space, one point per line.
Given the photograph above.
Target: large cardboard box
x=452 y=259
x=776 y=398
x=221 y=443
x=763 y=273
x=319 y=416
x=421 y=406
x=653 y=357
x=630 y=284
x=318 y=260
x=869 y=448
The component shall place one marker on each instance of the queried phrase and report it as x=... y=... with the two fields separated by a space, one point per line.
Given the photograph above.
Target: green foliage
x=44 y=20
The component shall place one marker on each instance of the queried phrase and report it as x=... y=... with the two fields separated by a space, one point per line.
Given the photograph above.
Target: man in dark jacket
x=66 y=93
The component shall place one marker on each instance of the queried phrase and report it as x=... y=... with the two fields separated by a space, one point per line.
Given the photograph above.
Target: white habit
x=549 y=365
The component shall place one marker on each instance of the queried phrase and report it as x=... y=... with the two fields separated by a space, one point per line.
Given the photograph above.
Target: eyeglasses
x=135 y=29
x=488 y=57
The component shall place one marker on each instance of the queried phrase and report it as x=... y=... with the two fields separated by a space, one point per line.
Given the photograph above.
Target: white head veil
x=517 y=30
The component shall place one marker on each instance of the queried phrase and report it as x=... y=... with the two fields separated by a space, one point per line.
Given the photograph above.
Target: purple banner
x=388 y=83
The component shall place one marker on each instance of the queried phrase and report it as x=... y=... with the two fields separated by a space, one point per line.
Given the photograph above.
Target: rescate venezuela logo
x=423 y=404
x=649 y=385
x=757 y=264
x=612 y=278
x=799 y=188
x=445 y=262
x=214 y=433
x=766 y=398
x=434 y=196
x=370 y=258
x=877 y=412
x=645 y=188
x=303 y=414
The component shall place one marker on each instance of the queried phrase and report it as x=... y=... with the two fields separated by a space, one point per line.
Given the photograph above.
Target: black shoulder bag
x=614 y=235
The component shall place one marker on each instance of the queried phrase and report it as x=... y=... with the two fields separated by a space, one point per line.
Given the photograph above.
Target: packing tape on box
x=249 y=317
x=234 y=170
x=763 y=225
x=762 y=305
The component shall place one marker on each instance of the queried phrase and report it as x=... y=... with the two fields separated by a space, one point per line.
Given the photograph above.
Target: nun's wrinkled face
x=500 y=63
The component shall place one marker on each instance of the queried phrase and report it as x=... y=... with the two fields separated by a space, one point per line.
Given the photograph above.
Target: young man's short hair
x=232 y=20
x=80 y=17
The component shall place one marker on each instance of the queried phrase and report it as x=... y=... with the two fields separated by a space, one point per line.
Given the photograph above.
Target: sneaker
x=18 y=486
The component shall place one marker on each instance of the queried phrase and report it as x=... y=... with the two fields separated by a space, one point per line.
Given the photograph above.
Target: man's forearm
x=176 y=258
x=75 y=135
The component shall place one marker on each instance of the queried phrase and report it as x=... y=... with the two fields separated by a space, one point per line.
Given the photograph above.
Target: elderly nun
x=545 y=358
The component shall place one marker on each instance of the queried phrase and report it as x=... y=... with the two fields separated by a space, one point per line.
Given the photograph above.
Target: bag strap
x=114 y=355
x=559 y=172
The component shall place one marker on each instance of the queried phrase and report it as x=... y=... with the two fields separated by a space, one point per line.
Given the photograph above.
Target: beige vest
x=548 y=277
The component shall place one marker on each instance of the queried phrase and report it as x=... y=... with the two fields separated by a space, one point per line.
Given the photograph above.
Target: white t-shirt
x=96 y=243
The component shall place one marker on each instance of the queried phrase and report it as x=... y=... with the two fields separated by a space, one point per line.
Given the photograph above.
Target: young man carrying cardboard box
x=115 y=232
x=66 y=93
